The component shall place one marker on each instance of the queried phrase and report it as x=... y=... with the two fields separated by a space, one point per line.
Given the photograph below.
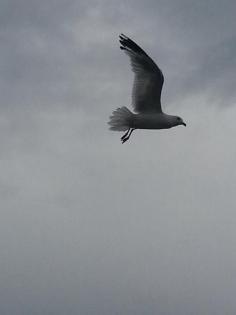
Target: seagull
x=146 y=95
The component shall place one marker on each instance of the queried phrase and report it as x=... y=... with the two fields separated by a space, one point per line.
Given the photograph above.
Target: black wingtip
x=130 y=45
x=123 y=37
x=124 y=40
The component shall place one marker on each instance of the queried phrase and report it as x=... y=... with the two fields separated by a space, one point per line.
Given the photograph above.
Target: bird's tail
x=121 y=119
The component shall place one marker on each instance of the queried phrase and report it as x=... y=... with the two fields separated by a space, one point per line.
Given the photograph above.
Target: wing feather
x=148 y=80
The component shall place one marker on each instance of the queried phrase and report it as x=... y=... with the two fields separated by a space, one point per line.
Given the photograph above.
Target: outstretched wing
x=148 y=80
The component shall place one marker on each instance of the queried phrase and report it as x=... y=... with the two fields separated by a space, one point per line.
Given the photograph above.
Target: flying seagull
x=146 y=95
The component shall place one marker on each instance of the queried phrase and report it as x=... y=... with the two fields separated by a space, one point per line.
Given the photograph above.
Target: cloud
x=91 y=226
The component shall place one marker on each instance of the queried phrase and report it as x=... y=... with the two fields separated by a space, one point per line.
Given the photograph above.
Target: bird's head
x=179 y=121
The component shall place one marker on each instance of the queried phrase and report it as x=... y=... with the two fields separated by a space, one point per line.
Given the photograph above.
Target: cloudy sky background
x=93 y=227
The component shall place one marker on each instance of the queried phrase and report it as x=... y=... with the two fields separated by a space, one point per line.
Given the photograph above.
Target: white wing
x=148 y=80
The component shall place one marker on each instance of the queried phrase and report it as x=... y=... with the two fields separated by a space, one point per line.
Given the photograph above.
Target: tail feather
x=120 y=119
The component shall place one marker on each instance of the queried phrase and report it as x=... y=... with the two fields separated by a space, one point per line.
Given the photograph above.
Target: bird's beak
x=183 y=123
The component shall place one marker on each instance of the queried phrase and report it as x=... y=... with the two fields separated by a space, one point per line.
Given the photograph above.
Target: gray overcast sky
x=93 y=227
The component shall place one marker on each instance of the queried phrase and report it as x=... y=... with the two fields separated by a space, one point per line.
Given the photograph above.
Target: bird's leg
x=127 y=135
